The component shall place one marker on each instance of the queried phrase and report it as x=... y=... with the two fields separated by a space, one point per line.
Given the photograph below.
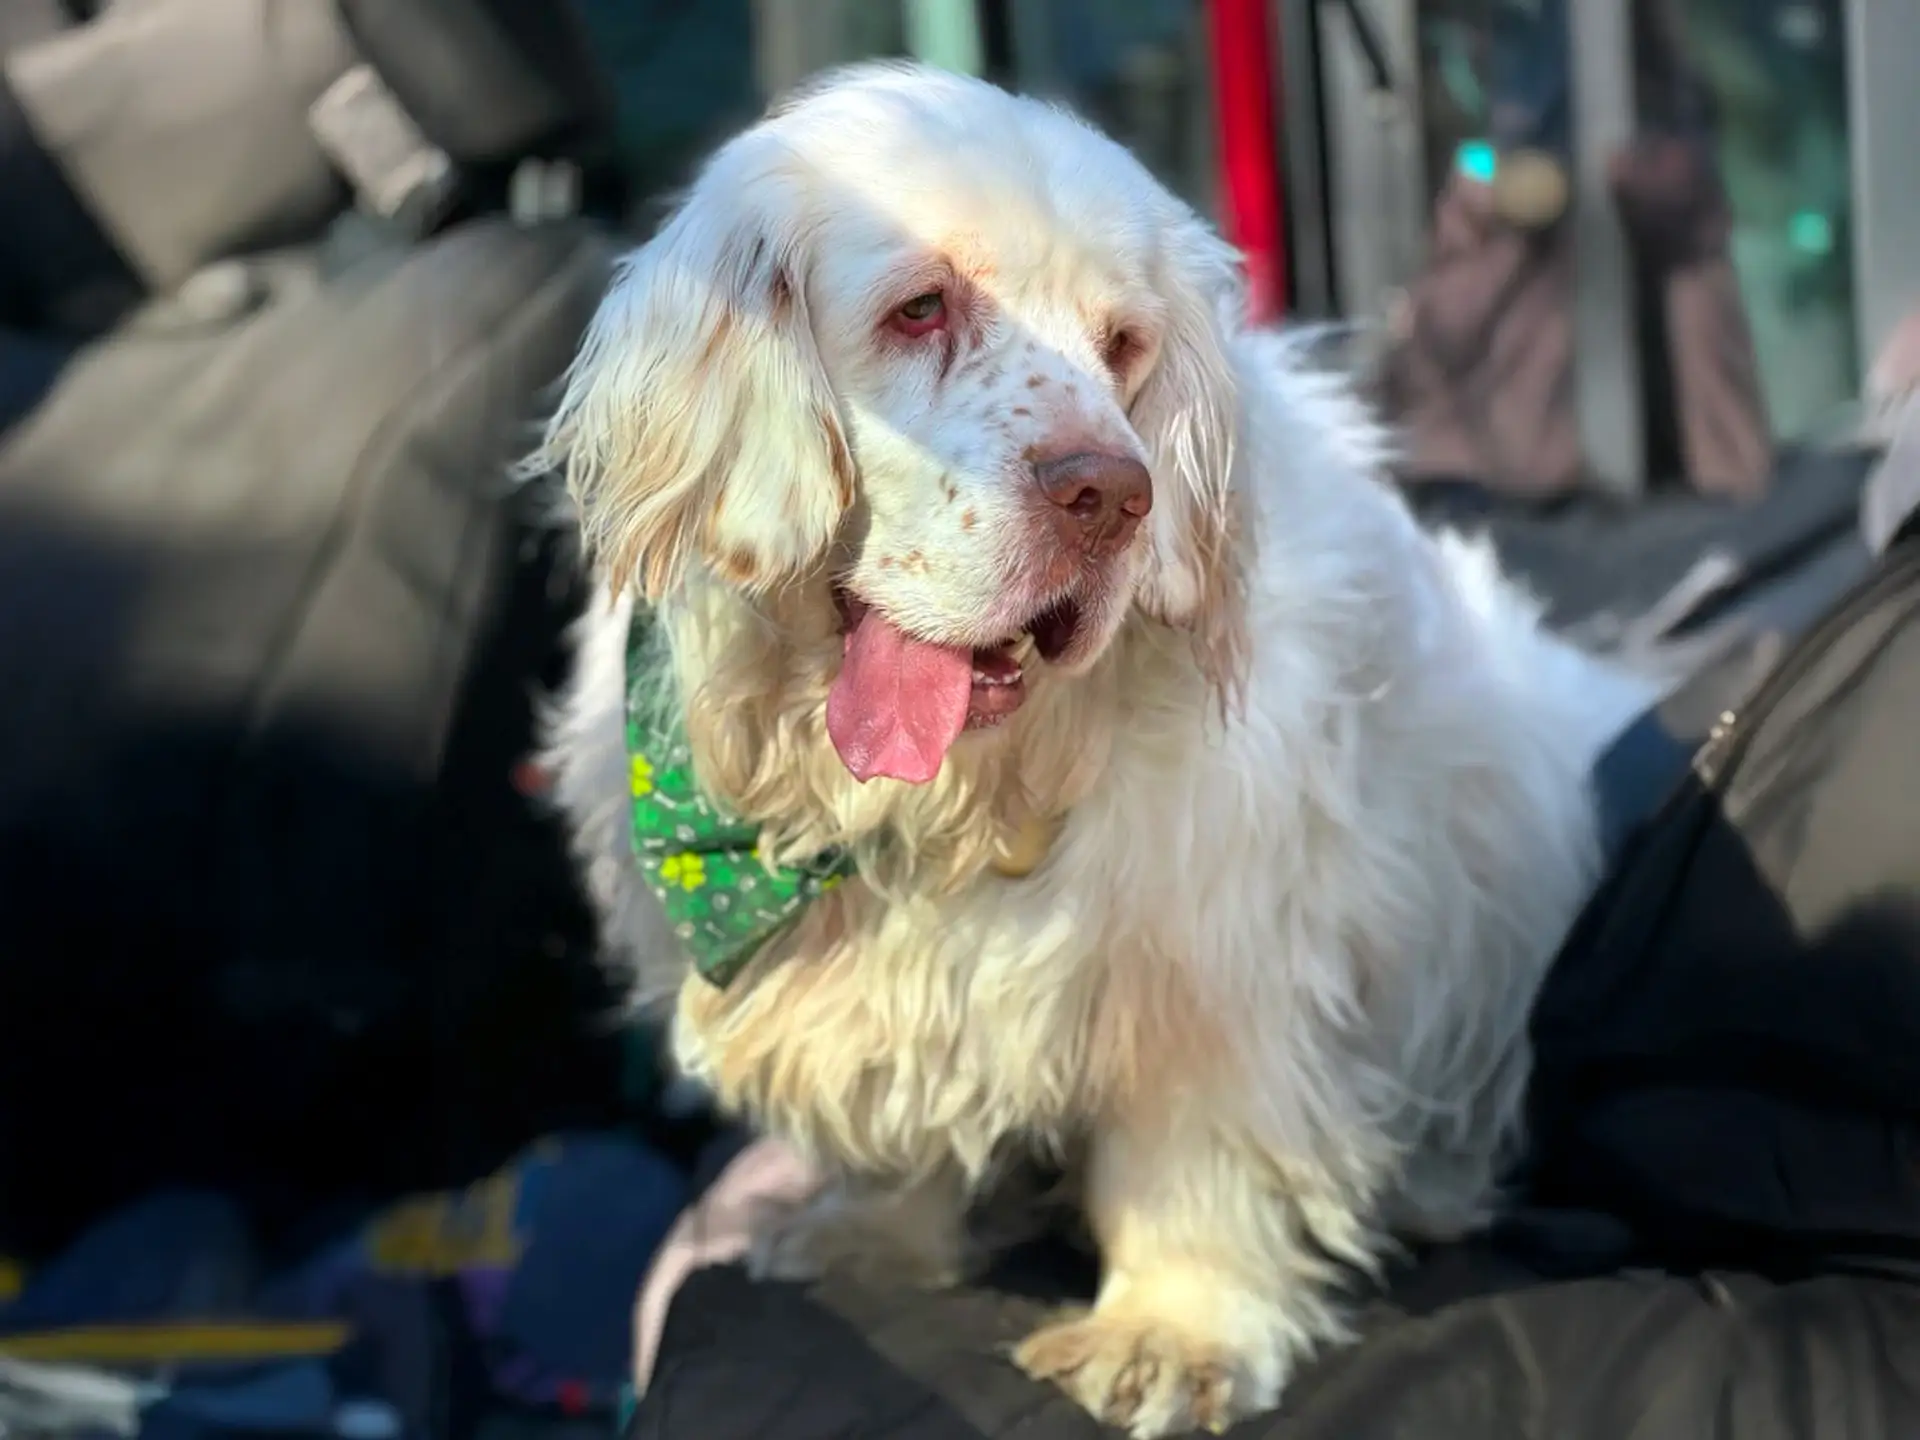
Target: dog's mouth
x=900 y=702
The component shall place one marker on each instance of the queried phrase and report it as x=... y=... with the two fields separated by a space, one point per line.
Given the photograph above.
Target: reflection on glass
x=1733 y=194
x=1758 y=84
x=1480 y=372
x=690 y=71
x=683 y=77
x=1774 y=82
x=1134 y=68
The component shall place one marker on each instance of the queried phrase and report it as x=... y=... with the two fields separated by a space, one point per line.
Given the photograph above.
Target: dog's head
x=948 y=357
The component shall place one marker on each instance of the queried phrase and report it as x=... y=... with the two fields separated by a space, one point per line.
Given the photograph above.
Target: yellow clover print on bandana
x=686 y=870
x=640 y=775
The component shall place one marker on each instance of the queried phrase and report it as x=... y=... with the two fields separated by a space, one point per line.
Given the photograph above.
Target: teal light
x=1477 y=160
x=1811 y=231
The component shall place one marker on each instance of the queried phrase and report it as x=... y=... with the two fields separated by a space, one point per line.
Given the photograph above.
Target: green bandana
x=725 y=901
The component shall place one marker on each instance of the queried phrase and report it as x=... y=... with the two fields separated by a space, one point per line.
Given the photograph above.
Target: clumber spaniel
x=1201 y=821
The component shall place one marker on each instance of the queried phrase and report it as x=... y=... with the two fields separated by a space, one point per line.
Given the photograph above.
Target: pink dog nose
x=1099 y=500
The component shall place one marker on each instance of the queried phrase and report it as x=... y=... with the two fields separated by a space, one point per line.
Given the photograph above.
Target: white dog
x=1199 y=817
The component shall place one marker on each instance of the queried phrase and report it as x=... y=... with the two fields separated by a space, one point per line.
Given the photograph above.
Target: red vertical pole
x=1244 y=88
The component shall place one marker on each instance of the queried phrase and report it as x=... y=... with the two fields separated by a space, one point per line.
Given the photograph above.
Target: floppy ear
x=697 y=419
x=1187 y=413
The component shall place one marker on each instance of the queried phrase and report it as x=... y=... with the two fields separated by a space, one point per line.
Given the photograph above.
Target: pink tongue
x=898 y=703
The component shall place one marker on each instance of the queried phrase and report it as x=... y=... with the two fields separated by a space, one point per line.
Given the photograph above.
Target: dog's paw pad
x=1148 y=1378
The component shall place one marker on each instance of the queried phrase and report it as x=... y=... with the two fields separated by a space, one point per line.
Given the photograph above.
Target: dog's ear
x=697 y=419
x=1187 y=412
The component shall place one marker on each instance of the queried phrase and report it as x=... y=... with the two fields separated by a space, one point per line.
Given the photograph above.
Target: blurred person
x=1480 y=374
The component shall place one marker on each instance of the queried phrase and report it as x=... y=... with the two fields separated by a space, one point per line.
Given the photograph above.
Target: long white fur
x=1321 y=785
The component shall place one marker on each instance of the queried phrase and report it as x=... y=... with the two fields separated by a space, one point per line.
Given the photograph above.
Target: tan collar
x=1020 y=852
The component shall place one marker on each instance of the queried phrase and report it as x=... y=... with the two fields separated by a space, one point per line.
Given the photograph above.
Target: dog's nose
x=1098 y=500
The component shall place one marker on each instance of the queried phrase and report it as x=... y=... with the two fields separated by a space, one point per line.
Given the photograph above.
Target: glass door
x=1700 y=195
x=1883 y=114
x=1136 y=68
x=1769 y=90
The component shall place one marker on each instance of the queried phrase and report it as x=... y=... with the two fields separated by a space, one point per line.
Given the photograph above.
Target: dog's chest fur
x=939 y=1026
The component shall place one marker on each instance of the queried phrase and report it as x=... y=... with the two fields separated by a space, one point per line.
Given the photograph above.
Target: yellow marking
x=134 y=1344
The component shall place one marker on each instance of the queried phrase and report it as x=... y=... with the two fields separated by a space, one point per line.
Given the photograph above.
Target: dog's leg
x=1449 y=1184
x=909 y=1234
x=1212 y=1287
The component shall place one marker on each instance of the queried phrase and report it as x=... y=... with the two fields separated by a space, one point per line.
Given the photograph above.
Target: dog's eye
x=922 y=314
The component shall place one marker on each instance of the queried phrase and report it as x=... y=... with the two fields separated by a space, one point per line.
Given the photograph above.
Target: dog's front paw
x=892 y=1241
x=1144 y=1375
